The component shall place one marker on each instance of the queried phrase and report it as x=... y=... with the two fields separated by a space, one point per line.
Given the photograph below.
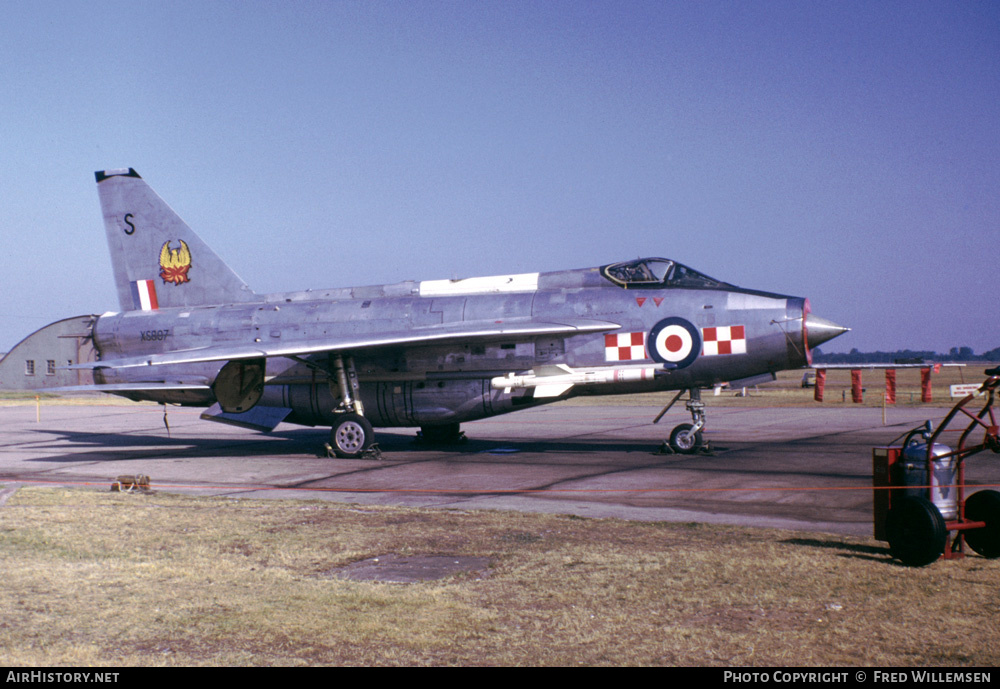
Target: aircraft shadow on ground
x=133 y=446
x=311 y=442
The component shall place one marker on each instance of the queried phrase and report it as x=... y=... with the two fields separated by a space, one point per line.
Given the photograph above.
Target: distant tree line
x=904 y=356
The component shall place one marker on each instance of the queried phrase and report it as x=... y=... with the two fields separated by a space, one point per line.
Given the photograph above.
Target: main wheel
x=683 y=441
x=984 y=506
x=352 y=435
x=445 y=434
x=916 y=531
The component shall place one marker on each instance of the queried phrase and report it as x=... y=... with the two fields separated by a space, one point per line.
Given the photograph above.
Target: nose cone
x=820 y=330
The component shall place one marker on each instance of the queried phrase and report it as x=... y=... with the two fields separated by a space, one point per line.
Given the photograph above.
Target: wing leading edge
x=443 y=334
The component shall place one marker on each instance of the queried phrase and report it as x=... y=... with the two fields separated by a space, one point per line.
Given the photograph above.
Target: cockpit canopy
x=657 y=273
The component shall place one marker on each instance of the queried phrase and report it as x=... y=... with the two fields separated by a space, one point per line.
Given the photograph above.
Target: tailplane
x=159 y=261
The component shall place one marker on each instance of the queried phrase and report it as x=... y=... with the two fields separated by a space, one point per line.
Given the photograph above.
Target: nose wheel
x=687 y=438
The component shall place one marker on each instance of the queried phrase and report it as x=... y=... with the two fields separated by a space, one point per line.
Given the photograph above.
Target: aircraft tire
x=683 y=442
x=916 y=531
x=984 y=506
x=352 y=435
x=446 y=434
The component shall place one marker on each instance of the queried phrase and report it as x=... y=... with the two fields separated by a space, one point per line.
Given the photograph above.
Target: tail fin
x=158 y=260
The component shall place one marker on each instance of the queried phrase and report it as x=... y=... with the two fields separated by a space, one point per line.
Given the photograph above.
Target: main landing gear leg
x=352 y=435
x=687 y=438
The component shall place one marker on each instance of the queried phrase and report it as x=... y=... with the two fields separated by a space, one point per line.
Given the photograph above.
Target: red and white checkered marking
x=625 y=347
x=728 y=339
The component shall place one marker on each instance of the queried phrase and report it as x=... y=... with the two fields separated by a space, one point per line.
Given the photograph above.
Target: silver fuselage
x=423 y=384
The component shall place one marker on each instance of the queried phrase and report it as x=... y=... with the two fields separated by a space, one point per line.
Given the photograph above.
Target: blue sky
x=843 y=151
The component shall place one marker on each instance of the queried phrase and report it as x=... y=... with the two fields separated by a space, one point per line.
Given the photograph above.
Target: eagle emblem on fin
x=174 y=263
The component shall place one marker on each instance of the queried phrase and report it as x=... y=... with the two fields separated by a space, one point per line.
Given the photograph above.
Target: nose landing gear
x=686 y=438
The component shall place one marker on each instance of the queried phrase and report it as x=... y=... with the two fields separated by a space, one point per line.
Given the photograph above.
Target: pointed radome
x=820 y=330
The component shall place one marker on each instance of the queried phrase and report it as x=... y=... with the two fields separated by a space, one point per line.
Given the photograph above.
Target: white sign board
x=965 y=389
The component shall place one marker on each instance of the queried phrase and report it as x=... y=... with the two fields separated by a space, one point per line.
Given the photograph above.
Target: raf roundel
x=674 y=341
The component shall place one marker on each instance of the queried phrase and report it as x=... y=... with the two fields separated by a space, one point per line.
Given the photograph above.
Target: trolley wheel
x=916 y=531
x=684 y=442
x=984 y=506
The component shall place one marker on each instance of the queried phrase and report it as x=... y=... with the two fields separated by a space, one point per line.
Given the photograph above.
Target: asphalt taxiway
x=797 y=468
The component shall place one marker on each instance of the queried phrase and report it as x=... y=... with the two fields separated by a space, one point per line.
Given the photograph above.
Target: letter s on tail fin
x=159 y=261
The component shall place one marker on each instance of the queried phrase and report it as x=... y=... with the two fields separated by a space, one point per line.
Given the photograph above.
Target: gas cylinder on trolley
x=920 y=491
x=941 y=486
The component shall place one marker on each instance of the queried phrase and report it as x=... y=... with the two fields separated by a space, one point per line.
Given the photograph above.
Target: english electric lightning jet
x=431 y=353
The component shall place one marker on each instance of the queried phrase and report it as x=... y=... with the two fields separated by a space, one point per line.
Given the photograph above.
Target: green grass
x=95 y=578
x=26 y=396
x=14 y=398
